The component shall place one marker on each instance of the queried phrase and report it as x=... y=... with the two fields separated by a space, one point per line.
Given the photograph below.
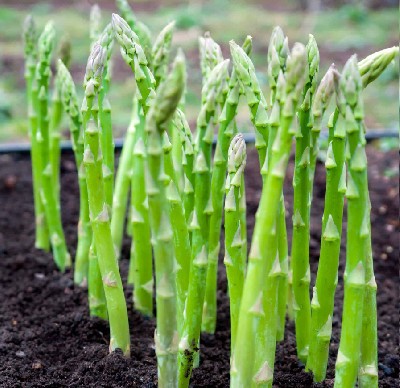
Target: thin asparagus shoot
x=235 y=257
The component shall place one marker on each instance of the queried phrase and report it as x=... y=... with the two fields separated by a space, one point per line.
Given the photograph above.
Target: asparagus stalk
x=107 y=142
x=324 y=290
x=55 y=120
x=262 y=261
x=99 y=212
x=200 y=224
x=30 y=52
x=166 y=336
x=180 y=232
x=301 y=210
x=71 y=107
x=141 y=251
x=254 y=96
x=350 y=104
x=235 y=257
x=135 y=57
x=47 y=191
x=181 y=125
x=210 y=55
x=226 y=131
x=277 y=56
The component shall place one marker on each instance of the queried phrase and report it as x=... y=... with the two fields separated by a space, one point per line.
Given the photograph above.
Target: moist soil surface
x=47 y=338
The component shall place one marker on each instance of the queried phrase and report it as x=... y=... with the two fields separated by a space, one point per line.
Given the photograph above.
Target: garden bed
x=48 y=340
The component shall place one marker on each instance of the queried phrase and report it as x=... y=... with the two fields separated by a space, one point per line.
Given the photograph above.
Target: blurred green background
x=341 y=28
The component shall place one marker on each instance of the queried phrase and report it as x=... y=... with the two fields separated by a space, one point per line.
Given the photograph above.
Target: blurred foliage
x=339 y=32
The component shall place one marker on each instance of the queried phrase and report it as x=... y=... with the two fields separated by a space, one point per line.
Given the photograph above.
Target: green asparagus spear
x=262 y=264
x=200 y=223
x=71 y=107
x=277 y=55
x=47 y=191
x=135 y=57
x=55 y=120
x=30 y=52
x=226 y=131
x=166 y=335
x=323 y=292
x=142 y=258
x=235 y=257
x=99 y=213
x=301 y=210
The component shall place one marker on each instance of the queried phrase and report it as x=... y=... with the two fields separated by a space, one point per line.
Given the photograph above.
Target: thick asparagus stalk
x=235 y=257
x=30 y=52
x=166 y=335
x=200 y=223
x=47 y=191
x=261 y=262
x=99 y=211
x=301 y=210
x=226 y=131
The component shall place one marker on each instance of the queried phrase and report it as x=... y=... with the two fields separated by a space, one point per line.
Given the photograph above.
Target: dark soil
x=48 y=340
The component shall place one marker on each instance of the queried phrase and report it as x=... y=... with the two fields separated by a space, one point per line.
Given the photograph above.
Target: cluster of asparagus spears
x=180 y=191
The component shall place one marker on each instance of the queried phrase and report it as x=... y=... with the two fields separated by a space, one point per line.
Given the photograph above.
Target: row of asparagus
x=180 y=191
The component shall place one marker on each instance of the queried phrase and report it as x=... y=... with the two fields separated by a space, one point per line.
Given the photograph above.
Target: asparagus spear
x=301 y=210
x=166 y=336
x=324 y=290
x=56 y=117
x=135 y=57
x=71 y=107
x=99 y=212
x=261 y=261
x=47 y=191
x=226 y=131
x=30 y=52
x=200 y=224
x=277 y=55
x=235 y=257
x=107 y=142
x=141 y=250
